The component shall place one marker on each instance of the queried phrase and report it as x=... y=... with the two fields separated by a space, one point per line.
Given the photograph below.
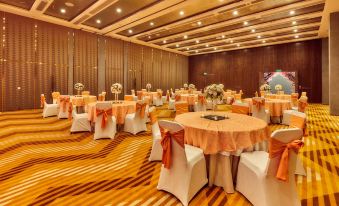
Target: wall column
x=334 y=63
x=324 y=71
x=101 y=65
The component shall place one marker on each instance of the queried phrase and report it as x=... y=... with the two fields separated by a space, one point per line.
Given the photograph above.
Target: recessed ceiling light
x=177 y=45
x=215 y=48
x=263 y=41
x=149 y=37
x=259 y=37
x=294 y=22
x=185 y=37
x=181 y=13
x=245 y=23
x=187 y=48
x=235 y=12
x=130 y=31
x=292 y=12
x=253 y=30
x=69 y=4
x=231 y=41
x=98 y=21
x=196 y=51
x=238 y=45
x=207 y=45
x=118 y=10
x=223 y=36
x=199 y=23
x=164 y=41
x=296 y=36
x=151 y=23
x=63 y=11
x=295 y=30
x=197 y=41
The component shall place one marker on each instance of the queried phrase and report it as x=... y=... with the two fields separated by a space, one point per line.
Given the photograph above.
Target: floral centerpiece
x=278 y=87
x=116 y=89
x=265 y=87
x=214 y=92
x=185 y=86
x=148 y=87
x=79 y=87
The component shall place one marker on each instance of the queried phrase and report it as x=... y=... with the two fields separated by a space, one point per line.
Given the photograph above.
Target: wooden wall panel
x=240 y=69
x=2 y=59
x=147 y=70
x=157 y=71
x=114 y=64
x=20 y=64
x=86 y=60
x=165 y=68
x=134 y=65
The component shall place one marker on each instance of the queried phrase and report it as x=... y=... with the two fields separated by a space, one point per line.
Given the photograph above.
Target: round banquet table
x=214 y=137
x=83 y=100
x=237 y=132
x=278 y=96
x=275 y=106
x=119 y=111
x=189 y=98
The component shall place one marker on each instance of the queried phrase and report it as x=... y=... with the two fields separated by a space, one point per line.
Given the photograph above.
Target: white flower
x=278 y=87
x=78 y=86
x=191 y=86
x=148 y=86
x=185 y=85
x=116 y=88
x=265 y=87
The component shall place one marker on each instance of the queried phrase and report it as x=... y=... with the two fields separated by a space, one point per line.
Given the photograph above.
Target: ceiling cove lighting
x=199 y=23
x=259 y=37
x=245 y=23
x=207 y=45
x=185 y=37
x=197 y=41
x=238 y=45
x=296 y=36
x=263 y=41
x=231 y=41
x=294 y=22
x=295 y=30
x=187 y=48
x=164 y=41
x=196 y=51
x=151 y=24
x=223 y=36
x=253 y=30
x=177 y=45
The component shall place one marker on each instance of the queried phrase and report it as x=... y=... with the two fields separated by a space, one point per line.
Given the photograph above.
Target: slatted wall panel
x=173 y=70
x=44 y=61
x=2 y=59
x=184 y=70
x=114 y=64
x=20 y=65
x=134 y=65
x=147 y=72
x=165 y=66
x=157 y=71
x=86 y=60
x=60 y=58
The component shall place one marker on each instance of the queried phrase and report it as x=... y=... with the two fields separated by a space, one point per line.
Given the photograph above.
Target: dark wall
x=240 y=69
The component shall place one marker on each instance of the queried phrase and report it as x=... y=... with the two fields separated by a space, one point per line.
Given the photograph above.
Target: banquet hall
x=169 y=102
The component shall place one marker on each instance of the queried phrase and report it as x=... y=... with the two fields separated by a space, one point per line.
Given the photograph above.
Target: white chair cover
x=156 y=152
x=80 y=123
x=187 y=174
x=110 y=129
x=257 y=180
x=49 y=109
x=134 y=123
x=261 y=113
x=63 y=113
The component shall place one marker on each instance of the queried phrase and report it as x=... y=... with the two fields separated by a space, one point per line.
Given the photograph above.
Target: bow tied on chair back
x=139 y=94
x=42 y=100
x=55 y=95
x=177 y=97
x=277 y=148
x=105 y=114
x=167 y=96
x=166 y=144
x=141 y=108
x=258 y=102
x=201 y=99
x=64 y=100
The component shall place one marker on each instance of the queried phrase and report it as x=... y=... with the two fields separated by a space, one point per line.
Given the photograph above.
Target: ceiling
x=188 y=27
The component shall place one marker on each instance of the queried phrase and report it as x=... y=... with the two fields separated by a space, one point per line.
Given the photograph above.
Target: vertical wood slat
x=86 y=60
x=2 y=59
x=114 y=65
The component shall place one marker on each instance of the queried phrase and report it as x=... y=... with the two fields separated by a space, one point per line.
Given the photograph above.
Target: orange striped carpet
x=43 y=164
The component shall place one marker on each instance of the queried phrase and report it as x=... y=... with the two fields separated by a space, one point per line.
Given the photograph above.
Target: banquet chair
x=129 y=98
x=240 y=108
x=237 y=97
x=183 y=172
x=105 y=123
x=259 y=111
x=230 y=100
x=156 y=152
x=200 y=105
x=136 y=122
x=48 y=109
x=298 y=111
x=171 y=101
x=157 y=99
x=80 y=122
x=180 y=107
x=65 y=107
x=258 y=172
x=55 y=96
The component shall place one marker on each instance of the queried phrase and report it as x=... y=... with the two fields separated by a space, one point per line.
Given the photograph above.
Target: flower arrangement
x=116 y=89
x=185 y=86
x=265 y=87
x=79 y=87
x=278 y=87
x=191 y=86
x=214 y=92
x=148 y=87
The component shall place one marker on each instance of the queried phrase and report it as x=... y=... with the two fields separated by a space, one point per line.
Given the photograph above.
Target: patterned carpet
x=43 y=164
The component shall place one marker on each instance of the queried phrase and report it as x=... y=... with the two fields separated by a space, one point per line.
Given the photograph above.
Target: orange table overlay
x=237 y=132
x=120 y=111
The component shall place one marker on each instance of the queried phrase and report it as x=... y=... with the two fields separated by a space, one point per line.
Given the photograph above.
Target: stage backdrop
x=288 y=80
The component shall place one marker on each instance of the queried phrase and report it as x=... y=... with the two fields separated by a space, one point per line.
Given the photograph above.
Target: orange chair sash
x=278 y=148
x=177 y=97
x=55 y=95
x=181 y=108
x=105 y=113
x=141 y=107
x=240 y=109
x=167 y=96
x=139 y=94
x=258 y=103
x=159 y=93
x=101 y=97
x=63 y=103
x=202 y=99
x=42 y=101
x=128 y=98
x=302 y=106
x=167 y=144
x=70 y=110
